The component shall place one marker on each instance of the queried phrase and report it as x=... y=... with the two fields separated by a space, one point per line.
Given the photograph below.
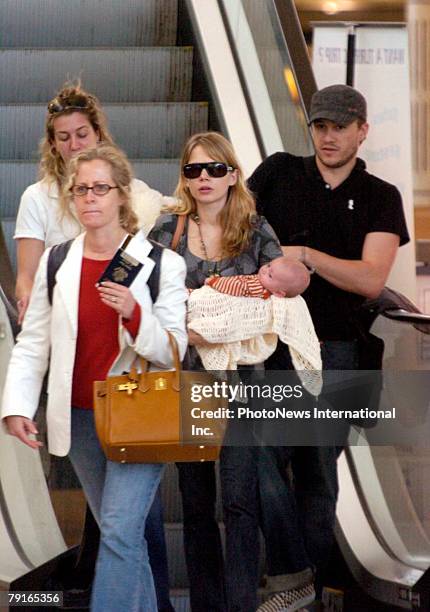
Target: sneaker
x=289 y=601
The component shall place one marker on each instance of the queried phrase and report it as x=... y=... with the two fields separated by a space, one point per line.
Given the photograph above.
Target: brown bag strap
x=126 y=242
x=144 y=365
x=180 y=226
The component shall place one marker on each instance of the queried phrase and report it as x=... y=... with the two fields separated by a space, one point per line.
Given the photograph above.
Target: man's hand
x=365 y=276
x=294 y=252
x=21 y=427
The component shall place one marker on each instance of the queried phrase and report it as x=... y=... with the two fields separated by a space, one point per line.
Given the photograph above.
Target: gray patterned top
x=264 y=246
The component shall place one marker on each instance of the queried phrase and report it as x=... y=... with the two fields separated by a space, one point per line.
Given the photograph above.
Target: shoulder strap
x=56 y=256
x=59 y=252
x=180 y=226
x=154 y=278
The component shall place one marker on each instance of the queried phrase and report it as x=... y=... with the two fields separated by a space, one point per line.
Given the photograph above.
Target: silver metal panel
x=156 y=130
x=142 y=130
x=14 y=178
x=174 y=539
x=29 y=534
x=180 y=600
x=160 y=174
x=175 y=546
x=172 y=505
x=92 y=23
x=8 y=226
x=149 y=74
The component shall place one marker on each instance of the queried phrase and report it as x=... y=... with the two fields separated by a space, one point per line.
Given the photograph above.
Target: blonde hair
x=237 y=217
x=122 y=176
x=52 y=166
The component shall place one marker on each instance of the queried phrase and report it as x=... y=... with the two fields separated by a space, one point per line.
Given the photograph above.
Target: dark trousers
x=297 y=517
x=202 y=539
x=299 y=488
x=212 y=590
x=239 y=486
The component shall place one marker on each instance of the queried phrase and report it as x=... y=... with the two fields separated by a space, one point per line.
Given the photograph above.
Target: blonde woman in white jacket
x=87 y=333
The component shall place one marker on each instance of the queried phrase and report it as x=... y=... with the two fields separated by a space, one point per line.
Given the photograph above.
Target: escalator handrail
x=395 y=306
x=402 y=315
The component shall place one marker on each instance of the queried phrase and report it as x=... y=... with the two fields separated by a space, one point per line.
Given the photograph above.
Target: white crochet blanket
x=244 y=330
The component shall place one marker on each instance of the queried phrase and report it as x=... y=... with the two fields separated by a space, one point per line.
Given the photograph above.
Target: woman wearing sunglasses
x=222 y=235
x=75 y=122
x=88 y=332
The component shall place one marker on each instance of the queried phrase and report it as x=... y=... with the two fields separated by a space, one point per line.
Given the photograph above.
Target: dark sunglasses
x=78 y=102
x=214 y=169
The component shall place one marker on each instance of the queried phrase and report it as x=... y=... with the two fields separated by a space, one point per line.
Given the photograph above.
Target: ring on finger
x=113 y=299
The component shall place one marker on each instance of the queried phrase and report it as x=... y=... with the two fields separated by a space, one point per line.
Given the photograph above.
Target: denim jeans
x=120 y=497
x=209 y=590
x=298 y=509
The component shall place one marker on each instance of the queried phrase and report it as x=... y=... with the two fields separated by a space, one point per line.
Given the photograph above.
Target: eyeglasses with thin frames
x=100 y=189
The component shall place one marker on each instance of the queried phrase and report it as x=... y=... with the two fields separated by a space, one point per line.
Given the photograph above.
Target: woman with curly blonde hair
x=74 y=122
x=218 y=232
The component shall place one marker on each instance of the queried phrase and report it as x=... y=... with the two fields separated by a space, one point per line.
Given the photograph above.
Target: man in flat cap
x=346 y=226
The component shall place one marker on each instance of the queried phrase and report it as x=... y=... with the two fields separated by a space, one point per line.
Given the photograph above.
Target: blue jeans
x=298 y=517
x=120 y=497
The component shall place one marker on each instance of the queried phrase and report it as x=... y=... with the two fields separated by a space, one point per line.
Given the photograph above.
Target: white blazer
x=49 y=335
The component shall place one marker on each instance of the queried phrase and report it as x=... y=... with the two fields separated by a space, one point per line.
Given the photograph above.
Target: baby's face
x=272 y=277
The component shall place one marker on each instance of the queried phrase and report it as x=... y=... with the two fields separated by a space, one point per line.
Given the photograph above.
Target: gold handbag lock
x=160 y=384
x=128 y=386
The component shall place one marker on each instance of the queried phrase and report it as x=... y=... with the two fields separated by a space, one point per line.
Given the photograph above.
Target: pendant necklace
x=212 y=265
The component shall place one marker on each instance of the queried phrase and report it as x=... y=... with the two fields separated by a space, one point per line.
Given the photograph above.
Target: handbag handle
x=144 y=365
x=180 y=226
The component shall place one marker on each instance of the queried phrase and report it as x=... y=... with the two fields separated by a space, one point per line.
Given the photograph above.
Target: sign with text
x=382 y=74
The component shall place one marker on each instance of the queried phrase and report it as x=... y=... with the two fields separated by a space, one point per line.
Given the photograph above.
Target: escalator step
x=180 y=599
x=147 y=74
x=87 y=23
x=15 y=177
x=142 y=130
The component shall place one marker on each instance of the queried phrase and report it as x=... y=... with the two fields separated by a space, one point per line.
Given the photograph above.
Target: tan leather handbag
x=146 y=417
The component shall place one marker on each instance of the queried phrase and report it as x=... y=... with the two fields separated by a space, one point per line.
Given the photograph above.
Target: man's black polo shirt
x=304 y=210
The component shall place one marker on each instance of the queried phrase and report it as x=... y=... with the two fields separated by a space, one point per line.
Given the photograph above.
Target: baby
x=242 y=317
x=281 y=277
